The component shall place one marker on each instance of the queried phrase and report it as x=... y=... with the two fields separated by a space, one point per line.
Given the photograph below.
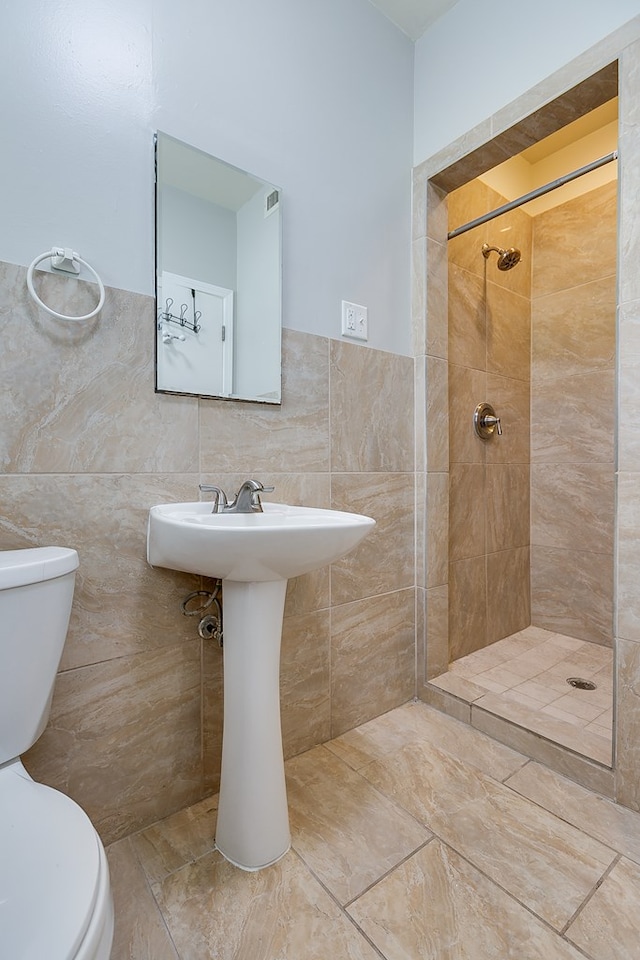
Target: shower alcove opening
x=518 y=577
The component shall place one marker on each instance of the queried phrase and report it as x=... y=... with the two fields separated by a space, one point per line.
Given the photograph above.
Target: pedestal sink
x=253 y=554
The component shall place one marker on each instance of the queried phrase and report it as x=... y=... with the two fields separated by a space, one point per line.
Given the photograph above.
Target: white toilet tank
x=36 y=591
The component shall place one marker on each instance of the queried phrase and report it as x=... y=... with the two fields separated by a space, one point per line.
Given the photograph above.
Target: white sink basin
x=254 y=555
x=280 y=543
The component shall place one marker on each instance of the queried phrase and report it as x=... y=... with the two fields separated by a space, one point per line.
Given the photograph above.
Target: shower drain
x=581 y=684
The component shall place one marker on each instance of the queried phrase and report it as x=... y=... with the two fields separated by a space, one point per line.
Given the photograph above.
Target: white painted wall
x=316 y=97
x=198 y=239
x=479 y=57
x=257 y=330
x=77 y=155
x=312 y=95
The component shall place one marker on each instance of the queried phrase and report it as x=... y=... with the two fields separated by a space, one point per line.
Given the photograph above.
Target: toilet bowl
x=55 y=897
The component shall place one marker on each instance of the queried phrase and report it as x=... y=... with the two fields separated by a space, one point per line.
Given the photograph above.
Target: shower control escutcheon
x=485 y=422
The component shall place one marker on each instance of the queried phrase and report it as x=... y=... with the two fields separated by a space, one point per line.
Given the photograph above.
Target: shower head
x=506 y=258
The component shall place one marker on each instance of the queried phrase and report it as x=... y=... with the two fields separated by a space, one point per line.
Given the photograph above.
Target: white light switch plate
x=354 y=321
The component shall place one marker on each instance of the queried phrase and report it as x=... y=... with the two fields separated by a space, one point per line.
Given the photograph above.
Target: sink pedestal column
x=253 y=819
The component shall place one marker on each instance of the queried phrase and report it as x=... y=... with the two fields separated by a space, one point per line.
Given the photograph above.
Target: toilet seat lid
x=49 y=869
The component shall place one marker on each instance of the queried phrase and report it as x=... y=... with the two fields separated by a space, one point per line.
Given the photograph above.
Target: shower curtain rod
x=538 y=192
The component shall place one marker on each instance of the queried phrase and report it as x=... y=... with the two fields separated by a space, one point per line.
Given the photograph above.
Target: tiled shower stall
x=531 y=512
x=600 y=74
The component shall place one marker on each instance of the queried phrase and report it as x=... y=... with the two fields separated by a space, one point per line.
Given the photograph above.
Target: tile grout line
x=388 y=872
x=592 y=892
x=512 y=896
x=190 y=860
x=335 y=900
x=392 y=800
x=154 y=900
x=527 y=761
x=607 y=846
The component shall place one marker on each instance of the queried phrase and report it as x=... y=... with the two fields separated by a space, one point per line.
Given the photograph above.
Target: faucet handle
x=258 y=490
x=219 y=499
x=490 y=421
x=255 y=497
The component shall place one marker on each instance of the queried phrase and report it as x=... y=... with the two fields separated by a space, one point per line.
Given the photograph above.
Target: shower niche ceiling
x=532 y=332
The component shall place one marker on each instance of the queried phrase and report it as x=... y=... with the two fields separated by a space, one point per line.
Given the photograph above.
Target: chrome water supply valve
x=210 y=625
x=209 y=628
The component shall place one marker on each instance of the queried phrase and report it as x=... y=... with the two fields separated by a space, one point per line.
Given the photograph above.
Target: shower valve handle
x=485 y=421
x=490 y=421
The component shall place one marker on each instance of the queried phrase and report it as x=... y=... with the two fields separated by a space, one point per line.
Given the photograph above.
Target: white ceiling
x=413 y=16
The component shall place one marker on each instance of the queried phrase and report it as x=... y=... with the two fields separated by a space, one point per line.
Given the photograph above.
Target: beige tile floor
x=415 y=837
x=523 y=678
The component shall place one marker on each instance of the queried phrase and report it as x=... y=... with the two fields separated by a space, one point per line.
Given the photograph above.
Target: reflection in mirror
x=218 y=278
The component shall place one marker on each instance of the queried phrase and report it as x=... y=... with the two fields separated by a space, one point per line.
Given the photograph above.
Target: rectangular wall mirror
x=218 y=278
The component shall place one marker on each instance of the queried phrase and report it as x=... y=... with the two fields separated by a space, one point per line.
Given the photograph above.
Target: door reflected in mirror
x=218 y=278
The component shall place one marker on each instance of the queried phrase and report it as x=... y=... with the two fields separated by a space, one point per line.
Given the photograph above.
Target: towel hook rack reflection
x=64 y=260
x=167 y=316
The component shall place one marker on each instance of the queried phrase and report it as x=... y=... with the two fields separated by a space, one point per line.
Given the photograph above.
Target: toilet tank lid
x=35 y=564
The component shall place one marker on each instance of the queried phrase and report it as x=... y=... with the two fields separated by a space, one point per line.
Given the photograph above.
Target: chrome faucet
x=247 y=499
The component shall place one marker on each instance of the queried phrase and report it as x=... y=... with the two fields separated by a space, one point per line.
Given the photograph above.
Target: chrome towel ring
x=65 y=261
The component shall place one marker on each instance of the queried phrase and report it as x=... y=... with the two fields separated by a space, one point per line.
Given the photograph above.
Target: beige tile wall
x=87 y=447
x=573 y=416
x=489 y=359
x=431 y=347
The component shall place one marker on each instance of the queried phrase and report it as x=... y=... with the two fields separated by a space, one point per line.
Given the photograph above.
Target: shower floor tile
x=523 y=679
